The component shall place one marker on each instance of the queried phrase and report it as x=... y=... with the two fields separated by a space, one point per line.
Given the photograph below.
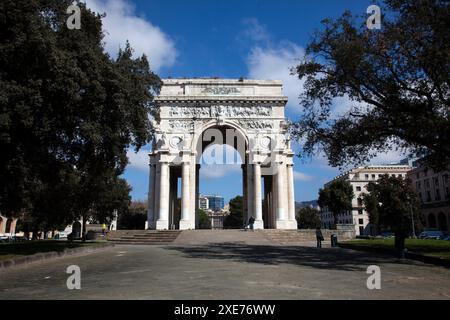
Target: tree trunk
x=35 y=233
x=400 y=243
x=83 y=234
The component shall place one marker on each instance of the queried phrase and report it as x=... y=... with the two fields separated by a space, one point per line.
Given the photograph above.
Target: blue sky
x=228 y=39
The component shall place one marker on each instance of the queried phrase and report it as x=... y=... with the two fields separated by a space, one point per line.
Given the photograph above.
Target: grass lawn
x=435 y=248
x=12 y=250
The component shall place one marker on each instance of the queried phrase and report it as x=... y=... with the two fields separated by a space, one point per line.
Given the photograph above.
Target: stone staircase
x=143 y=236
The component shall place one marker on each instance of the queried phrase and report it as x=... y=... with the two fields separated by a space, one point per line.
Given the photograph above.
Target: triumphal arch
x=245 y=114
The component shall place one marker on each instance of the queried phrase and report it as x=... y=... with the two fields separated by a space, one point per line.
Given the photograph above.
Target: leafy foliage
x=396 y=80
x=133 y=217
x=236 y=217
x=390 y=203
x=393 y=203
x=337 y=197
x=308 y=218
x=68 y=113
x=204 y=222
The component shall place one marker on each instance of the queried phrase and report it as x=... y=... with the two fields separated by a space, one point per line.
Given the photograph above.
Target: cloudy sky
x=258 y=39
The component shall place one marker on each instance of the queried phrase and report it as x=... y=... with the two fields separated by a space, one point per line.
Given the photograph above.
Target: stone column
x=257 y=205
x=197 y=193
x=291 y=196
x=281 y=213
x=151 y=198
x=163 y=217
x=250 y=193
x=4 y=220
x=185 y=195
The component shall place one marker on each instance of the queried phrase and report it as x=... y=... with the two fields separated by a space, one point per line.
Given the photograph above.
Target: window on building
x=360 y=202
x=418 y=175
x=428 y=196
x=361 y=221
x=366 y=176
x=358 y=188
x=436 y=181
x=427 y=183
x=445 y=178
x=447 y=193
x=438 y=195
x=360 y=211
x=373 y=176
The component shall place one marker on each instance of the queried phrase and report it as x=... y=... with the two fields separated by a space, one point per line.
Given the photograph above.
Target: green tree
x=396 y=80
x=337 y=197
x=392 y=204
x=236 y=217
x=68 y=113
x=133 y=217
x=308 y=218
x=204 y=222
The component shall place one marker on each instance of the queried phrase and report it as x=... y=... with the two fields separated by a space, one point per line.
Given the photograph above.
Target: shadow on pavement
x=325 y=258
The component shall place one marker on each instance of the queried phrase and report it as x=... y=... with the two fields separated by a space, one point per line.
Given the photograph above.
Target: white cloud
x=220 y=154
x=389 y=157
x=275 y=62
x=138 y=160
x=121 y=24
x=299 y=176
x=218 y=170
x=255 y=31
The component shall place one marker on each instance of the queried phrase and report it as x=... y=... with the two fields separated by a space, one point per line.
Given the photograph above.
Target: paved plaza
x=225 y=265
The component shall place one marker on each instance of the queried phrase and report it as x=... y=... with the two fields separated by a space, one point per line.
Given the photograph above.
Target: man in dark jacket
x=319 y=237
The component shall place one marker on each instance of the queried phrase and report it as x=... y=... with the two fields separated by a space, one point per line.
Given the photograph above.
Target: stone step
x=151 y=236
x=143 y=236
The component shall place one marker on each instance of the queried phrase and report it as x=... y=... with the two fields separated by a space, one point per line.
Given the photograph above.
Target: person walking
x=104 y=229
x=251 y=221
x=319 y=237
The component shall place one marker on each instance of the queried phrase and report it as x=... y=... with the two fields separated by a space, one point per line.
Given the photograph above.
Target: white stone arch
x=255 y=110
x=212 y=124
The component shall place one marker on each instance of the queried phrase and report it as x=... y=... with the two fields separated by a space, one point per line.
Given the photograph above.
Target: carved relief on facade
x=215 y=111
x=256 y=124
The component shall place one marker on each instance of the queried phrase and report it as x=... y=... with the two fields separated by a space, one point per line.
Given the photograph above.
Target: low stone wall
x=310 y=234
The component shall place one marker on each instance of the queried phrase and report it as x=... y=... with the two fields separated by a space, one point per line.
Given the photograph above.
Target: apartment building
x=359 y=178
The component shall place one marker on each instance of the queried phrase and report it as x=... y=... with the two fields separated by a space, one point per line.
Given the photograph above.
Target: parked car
x=60 y=235
x=387 y=234
x=431 y=234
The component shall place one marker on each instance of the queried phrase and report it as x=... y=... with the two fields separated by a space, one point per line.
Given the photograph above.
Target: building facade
x=7 y=226
x=216 y=202
x=203 y=202
x=359 y=178
x=433 y=190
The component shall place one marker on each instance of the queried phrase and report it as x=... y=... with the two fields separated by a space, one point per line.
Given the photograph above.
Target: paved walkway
x=221 y=265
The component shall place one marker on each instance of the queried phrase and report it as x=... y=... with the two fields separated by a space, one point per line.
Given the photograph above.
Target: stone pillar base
x=162 y=225
x=259 y=224
x=286 y=224
x=185 y=225
x=150 y=225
